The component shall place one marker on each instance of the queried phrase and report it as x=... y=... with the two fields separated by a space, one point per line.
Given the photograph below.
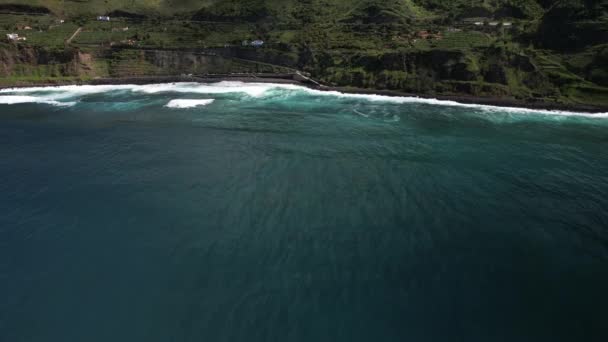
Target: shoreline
x=290 y=79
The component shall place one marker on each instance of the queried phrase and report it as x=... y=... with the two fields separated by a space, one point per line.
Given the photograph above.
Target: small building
x=12 y=36
x=478 y=23
x=103 y=18
x=257 y=43
x=507 y=24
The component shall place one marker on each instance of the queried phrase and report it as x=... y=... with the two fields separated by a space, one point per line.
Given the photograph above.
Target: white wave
x=436 y=102
x=519 y=110
x=188 y=103
x=261 y=89
x=17 y=99
x=68 y=89
x=251 y=89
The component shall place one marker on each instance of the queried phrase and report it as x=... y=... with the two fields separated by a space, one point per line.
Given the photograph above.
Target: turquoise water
x=276 y=213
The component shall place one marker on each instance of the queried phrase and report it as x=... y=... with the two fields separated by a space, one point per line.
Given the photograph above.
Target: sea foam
x=17 y=99
x=448 y=103
x=251 y=89
x=51 y=95
x=188 y=103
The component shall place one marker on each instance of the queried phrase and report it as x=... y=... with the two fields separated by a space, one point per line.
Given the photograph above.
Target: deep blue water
x=279 y=214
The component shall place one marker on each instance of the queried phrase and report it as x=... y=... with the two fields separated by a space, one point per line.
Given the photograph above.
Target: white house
x=14 y=37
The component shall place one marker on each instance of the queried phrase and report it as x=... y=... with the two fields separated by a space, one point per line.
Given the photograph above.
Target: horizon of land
x=524 y=53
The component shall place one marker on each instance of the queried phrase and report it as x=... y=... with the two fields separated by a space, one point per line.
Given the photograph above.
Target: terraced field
x=456 y=40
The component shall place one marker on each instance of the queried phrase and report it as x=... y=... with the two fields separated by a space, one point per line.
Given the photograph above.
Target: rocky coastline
x=298 y=80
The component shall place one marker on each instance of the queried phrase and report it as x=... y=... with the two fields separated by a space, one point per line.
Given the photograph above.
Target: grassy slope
x=528 y=8
x=172 y=6
x=87 y=7
x=323 y=8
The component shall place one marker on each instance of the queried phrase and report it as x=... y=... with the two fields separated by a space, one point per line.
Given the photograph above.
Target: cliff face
x=492 y=72
x=22 y=64
x=209 y=62
x=482 y=72
x=32 y=63
x=133 y=62
x=485 y=72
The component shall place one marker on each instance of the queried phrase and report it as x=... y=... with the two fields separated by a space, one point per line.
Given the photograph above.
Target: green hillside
x=322 y=8
x=482 y=8
x=532 y=50
x=84 y=7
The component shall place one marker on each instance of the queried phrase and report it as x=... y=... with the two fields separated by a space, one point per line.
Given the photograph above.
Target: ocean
x=265 y=212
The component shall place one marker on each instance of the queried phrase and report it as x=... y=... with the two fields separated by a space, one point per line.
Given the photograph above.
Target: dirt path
x=73 y=35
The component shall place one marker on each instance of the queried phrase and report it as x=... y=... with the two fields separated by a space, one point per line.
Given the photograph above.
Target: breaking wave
x=430 y=101
x=53 y=95
x=224 y=87
x=188 y=103
x=18 y=99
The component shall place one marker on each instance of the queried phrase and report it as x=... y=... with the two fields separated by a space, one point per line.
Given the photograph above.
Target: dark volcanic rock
x=128 y=15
